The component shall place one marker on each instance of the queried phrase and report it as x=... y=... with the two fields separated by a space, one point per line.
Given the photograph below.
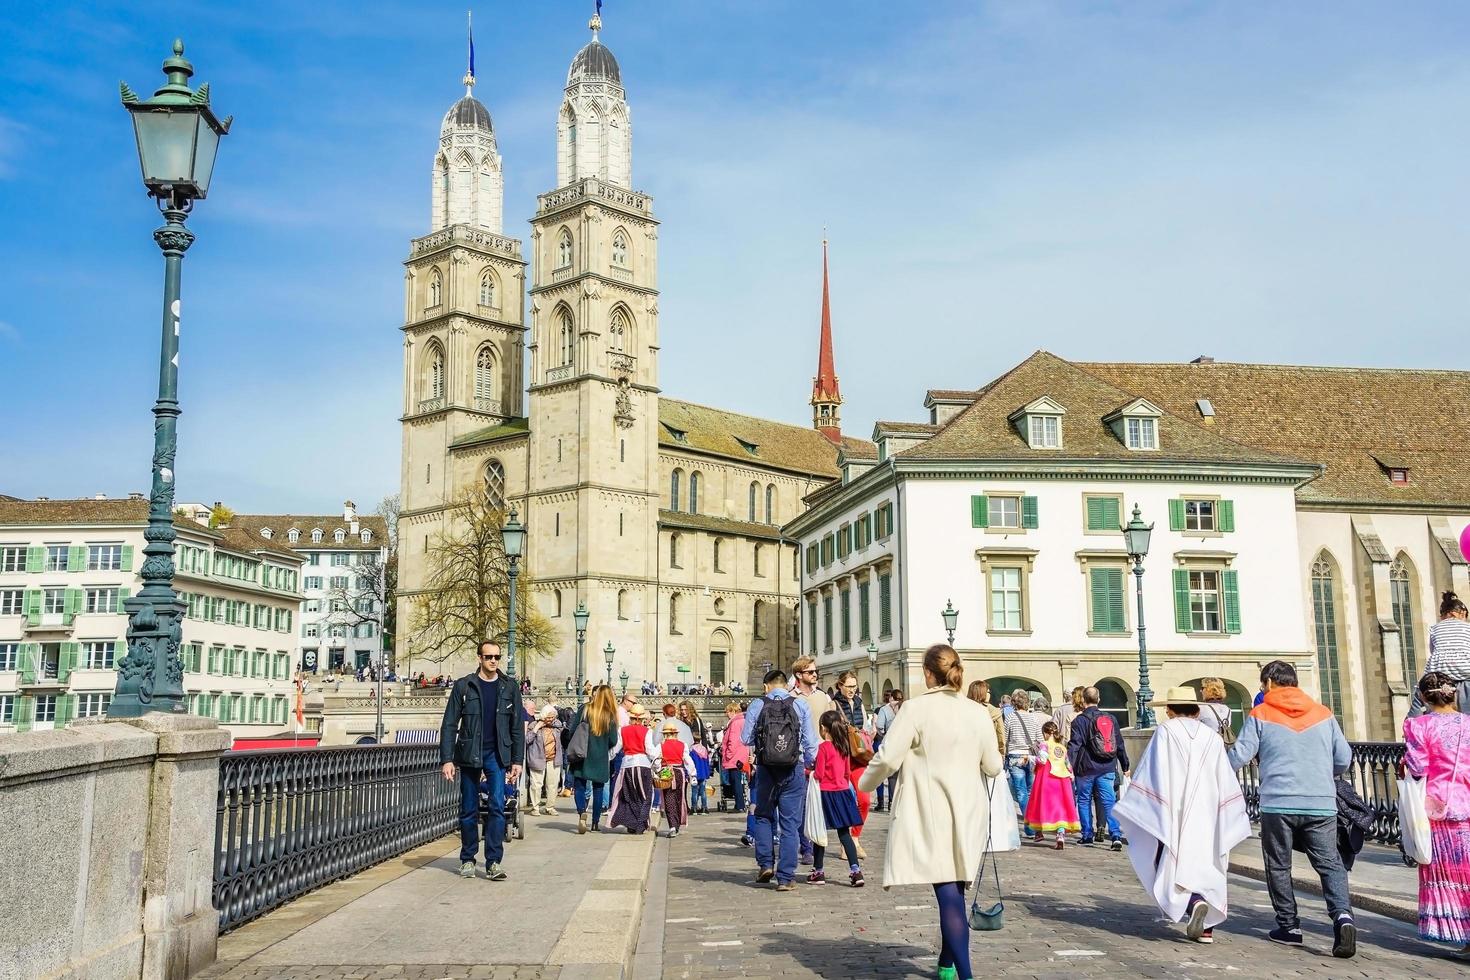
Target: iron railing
x=292 y=820
x=1373 y=773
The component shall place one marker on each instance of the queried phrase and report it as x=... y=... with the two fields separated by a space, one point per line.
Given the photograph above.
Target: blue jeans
x=1020 y=779
x=580 y=788
x=780 y=796
x=1103 y=783
x=736 y=778
x=469 y=811
x=698 y=801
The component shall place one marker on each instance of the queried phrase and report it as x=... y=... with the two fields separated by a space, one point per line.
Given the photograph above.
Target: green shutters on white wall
x=1106 y=593
x=66 y=709
x=71 y=605
x=1103 y=514
x=1230 y=586
x=33 y=607
x=1176 y=516
x=1028 y=513
x=119 y=650
x=1182 y=622
x=30 y=662
x=1225 y=515
x=127 y=558
x=885 y=605
x=76 y=559
x=67 y=661
x=25 y=712
x=979 y=511
x=35 y=559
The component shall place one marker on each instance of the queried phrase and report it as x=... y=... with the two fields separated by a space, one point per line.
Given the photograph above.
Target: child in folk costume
x=676 y=765
x=833 y=772
x=633 y=791
x=1052 y=805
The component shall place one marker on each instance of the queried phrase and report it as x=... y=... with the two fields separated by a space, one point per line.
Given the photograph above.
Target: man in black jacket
x=482 y=734
x=1094 y=772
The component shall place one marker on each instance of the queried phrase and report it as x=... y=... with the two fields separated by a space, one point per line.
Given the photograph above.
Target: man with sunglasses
x=482 y=735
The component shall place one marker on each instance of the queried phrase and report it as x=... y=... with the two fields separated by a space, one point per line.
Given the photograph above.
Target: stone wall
x=108 y=867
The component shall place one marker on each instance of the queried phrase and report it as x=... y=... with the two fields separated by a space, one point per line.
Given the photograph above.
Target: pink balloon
x=1465 y=542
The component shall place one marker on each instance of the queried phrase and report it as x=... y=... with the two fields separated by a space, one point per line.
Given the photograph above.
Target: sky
x=1254 y=181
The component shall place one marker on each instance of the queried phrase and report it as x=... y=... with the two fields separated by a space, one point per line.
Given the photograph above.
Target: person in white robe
x=1182 y=813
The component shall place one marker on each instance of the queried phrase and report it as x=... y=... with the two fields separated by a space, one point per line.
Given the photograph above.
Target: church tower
x=594 y=369
x=463 y=331
x=826 y=396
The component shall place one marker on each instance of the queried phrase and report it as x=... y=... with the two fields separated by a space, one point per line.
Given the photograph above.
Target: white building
x=66 y=566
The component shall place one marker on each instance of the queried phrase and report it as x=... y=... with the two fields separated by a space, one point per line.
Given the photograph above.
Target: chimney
x=99 y=496
x=135 y=495
x=1203 y=359
x=349 y=511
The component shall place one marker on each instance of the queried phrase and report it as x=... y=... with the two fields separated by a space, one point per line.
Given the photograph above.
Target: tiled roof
x=1345 y=419
x=85 y=510
x=280 y=524
x=777 y=444
x=949 y=395
x=984 y=430
x=491 y=433
x=237 y=538
x=915 y=428
x=719 y=525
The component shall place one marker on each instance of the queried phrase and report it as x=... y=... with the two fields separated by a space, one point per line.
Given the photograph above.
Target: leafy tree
x=220 y=516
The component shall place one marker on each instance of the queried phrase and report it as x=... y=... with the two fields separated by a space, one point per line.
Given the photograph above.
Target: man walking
x=781 y=731
x=1300 y=750
x=1094 y=753
x=882 y=721
x=483 y=736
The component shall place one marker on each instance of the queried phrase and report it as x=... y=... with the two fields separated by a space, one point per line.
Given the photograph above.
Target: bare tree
x=366 y=598
x=388 y=509
x=467 y=588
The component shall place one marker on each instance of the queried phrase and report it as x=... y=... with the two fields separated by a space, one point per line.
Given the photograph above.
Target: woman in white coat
x=939 y=745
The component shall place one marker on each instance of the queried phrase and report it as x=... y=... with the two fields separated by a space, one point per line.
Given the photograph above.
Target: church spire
x=826 y=396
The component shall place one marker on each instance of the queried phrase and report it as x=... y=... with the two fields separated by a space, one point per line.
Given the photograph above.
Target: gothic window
x=674 y=481
x=435 y=387
x=568 y=337
x=1402 y=591
x=674 y=614
x=770 y=503
x=622 y=603
x=717 y=555
x=754 y=493
x=484 y=376
x=758 y=617
x=564 y=249
x=616 y=331
x=694 y=493
x=620 y=249
x=487 y=289
x=1324 y=621
x=436 y=288
x=674 y=550
x=495 y=484
x=758 y=560
x=557 y=594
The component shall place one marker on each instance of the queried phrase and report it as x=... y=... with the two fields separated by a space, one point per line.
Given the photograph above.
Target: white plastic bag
x=815 y=825
x=1005 y=832
x=1123 y=783
x=1414 y=820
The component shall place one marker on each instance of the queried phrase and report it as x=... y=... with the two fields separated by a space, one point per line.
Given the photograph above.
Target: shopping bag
x=815 y=825
x=1123 y=783
x=986 y=915
x=1005 y=832
x=1414 y=820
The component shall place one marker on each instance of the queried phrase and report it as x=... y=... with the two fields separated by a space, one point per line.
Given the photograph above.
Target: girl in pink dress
x=1053 y=802
x=1437 y=750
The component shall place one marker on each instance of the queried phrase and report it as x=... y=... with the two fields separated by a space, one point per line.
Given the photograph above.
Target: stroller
x=727 y=788
x=515 y=823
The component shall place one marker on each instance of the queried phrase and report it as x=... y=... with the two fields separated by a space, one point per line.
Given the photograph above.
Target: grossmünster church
x=663 y=516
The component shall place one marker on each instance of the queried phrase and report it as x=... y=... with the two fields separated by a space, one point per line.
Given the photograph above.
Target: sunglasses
x=489 y=656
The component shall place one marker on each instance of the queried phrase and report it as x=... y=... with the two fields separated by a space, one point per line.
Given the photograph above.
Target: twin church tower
x=661 y=516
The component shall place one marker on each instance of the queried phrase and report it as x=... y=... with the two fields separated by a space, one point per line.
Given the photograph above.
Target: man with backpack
x=1094 y=752
x=783 y=736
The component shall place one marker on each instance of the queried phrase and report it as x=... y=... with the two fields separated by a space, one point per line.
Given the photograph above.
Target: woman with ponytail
x=939 y=745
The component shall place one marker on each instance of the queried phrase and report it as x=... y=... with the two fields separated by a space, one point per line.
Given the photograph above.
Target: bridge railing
x=1373 y=773
x=292 y=820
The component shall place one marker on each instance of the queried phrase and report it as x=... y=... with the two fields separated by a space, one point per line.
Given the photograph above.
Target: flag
x=599 y=8
x=469 y=17
x=300 y=702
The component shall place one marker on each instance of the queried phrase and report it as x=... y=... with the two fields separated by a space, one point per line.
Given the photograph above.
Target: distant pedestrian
x=939 y=746
x=1096 y=751
x=1449 y=652
x=1066 y=712
x=1300 y=750
x=593 y=772
x=689 y=715
x=543 y=759
x=784 y=738
x=1052 y=805
x=482 y=736
x=833 y=773
x=1022 y=733
x=884 y=721
x=1213 y=710
x=735 y=761
x=848 y=701
x=979 y=692
x=633 y=792
x=675 y=768
x=1437 y=750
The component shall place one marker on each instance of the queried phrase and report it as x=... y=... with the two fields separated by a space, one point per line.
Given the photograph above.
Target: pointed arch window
x=770 y=503
x=567 y=337
x=674 y=613
x=495 y=484
x=1324 y=622
x=675 y=479
x=564 y=249
x=436 y=288
x=717 y=551
x=484 y=377
x=754 y=494
x=1401 y=584
x=674 y=550
x=694 y=493
x=622 y=603
x=620 y=249
x=435 y=379
x=487 y=289
x=616 y=331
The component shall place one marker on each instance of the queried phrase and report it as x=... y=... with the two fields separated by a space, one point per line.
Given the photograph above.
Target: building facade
x=66 y=566
x=662 y=516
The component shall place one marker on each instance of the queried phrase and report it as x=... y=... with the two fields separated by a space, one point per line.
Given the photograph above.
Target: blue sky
x=1255 y=181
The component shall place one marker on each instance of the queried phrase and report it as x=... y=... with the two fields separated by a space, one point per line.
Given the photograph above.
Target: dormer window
x=679 y=434
x=1143 y=433
x=340 y=535
x=316 y=535
x=293 y=535
x=265 y=532
x=1040 y=423
x=1396 y=468
x=1398 y=475
x=367 y=536
x=1136 y=424
x=749 y=447
x=1046 y=432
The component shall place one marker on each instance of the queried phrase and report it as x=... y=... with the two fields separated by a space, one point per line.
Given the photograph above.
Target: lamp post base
x=151 y=677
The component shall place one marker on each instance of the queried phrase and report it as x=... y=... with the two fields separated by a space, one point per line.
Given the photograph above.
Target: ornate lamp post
x=1135 y=540
x=950 y=615
x=513 y=535
x=623 y=678
x=580 y=617
x=178 y=137
x=607 y=654
x=873 y=665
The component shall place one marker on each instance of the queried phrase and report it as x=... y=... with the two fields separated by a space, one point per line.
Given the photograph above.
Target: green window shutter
x=122 y=594
x=76 y=561
x=1225 y=515
x=25 y=710
x=979 y=511
x=127 y=558
x=35 y=559
x=1095 y=513
x=1107 y=600
x=1182 y=621
x=30 y=661
x=1176 y=514
x=1028 y=513
x=1231 y=582
x=33 y=607
x=71 y=605
x=66 y=709
x=119 y=650
x=66 y=662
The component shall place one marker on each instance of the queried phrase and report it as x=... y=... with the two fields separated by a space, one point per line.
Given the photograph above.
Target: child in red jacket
x=833 y=773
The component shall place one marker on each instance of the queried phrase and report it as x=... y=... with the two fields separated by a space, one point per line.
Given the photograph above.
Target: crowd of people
x=806 y=765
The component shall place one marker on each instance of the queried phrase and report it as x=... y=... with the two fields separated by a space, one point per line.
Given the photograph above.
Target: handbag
x=992 y=917
x=857 y=749
x=1414 y=820
x=577 y=747
x=1005 y=834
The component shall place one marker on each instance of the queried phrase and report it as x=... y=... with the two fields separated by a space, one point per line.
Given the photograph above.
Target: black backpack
x=778 y=734
x=1102 y=739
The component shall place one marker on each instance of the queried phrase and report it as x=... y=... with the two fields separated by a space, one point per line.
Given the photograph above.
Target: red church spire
x=826 y=396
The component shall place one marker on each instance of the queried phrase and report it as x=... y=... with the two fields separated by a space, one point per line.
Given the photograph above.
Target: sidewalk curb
x=1366 y=902
x=601 y=937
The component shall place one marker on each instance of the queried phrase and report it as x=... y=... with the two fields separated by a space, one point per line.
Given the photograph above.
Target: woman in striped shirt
x=1449 y=651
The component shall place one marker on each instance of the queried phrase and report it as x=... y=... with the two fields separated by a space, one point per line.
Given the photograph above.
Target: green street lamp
x=607 y=654
x=513 y=536
x=623 y=677
x=1135 y=541
x=580 y=617
x=950 y=615
x=178 y=137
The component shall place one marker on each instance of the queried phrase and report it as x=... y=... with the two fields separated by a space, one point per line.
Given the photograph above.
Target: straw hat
x=1176 y=695
x=638 y=713
x=670 y=728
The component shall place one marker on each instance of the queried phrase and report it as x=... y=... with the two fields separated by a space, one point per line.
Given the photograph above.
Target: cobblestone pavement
x=1077 y=913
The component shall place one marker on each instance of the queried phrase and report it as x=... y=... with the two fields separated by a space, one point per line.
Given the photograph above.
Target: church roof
x=491 y=433
x=719 y=525
x=1356 y=422
x=824 y=385
x=467 y=112
x=595 y=60
x=753 y=441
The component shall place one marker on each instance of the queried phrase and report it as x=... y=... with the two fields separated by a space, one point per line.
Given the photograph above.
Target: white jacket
x=939 y=744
